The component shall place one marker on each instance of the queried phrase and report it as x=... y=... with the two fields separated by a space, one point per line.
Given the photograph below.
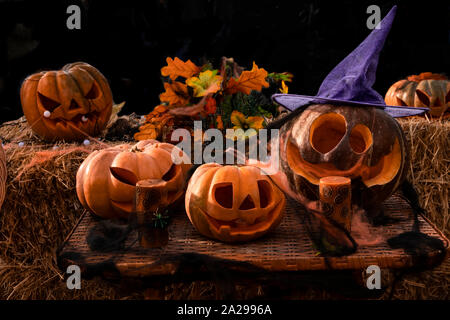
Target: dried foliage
x=41 y=208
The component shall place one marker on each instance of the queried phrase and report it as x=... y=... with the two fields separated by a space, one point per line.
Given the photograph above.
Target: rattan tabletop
x=288 y=248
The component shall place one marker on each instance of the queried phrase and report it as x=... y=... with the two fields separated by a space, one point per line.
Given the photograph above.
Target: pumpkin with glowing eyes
x=106 y=180
x=423 y=90
x=69 y=104
x=233 y=204
x=361 y=143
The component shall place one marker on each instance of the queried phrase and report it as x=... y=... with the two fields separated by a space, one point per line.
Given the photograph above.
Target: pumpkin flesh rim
x=380 y=174
x=230 y=228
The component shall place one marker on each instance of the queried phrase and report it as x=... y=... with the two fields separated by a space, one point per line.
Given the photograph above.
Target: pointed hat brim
x=295 y=101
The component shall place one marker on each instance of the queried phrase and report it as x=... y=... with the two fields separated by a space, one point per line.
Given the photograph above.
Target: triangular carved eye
x=423 y=97
x=170 y=174
x=265 y=195
x=93 y=93
x=48 y=103
x=224 y=195
x=400 y=102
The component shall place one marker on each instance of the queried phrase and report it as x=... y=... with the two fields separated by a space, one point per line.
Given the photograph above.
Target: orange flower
x=211 y=106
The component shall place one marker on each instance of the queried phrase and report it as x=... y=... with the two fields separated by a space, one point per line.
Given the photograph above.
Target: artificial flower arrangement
x=228 y=97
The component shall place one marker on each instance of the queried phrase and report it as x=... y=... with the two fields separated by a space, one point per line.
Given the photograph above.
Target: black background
x=128 y=41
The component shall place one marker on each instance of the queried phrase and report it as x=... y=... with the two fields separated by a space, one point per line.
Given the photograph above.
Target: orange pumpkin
x=106 y=180
x=3 y=175
x=423 y=90
x=69 y=104
x=231 y=203
x=363 y=144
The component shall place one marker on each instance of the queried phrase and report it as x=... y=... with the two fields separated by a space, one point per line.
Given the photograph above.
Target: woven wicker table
x=288 y=248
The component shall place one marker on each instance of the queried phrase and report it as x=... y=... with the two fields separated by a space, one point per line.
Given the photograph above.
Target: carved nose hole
x=400 y=102
x=247 y=204
x=327 y=131
x=124 y=176
x=360 y=138
x=223 y=194
x=48 y=103
x=73 y=105
x=265 y=195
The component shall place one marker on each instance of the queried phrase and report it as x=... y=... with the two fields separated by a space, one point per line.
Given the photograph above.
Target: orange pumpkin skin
x=78 y=98
x=423 y=90
x=3 y=175
x=106 y=180
x=361 y=143
x=233 y=204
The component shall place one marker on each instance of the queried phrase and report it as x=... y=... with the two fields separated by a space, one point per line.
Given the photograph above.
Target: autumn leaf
x=238 y=119
x=176 y=93
x=241 y=122
x=147 y=131
x=254 y=79
x=211 y=106
x=178 y=68
x=155 y=122
x=206 y=83
x=284 y=88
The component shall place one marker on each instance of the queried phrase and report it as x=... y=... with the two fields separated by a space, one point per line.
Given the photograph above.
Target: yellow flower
x=208 y=82
x=284 y=88
x=244 y=127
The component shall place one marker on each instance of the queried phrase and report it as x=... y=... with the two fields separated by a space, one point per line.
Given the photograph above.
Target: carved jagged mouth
x=236 y=227
x=90 y=118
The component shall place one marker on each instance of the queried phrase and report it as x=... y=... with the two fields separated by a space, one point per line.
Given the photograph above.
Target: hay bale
x=41 y=207
x=429 y=172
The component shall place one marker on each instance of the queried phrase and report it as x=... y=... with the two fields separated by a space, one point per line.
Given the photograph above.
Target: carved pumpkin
x=68 y=104
x=106 y=180
x=363 y=144
x=423 y=90
x=3 y=175
x=233 y=204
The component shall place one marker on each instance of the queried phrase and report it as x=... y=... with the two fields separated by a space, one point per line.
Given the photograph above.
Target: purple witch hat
x=350 y=82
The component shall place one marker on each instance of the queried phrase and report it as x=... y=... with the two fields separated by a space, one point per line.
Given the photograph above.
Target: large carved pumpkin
x=106 y=180
x=423 y=90
x=233 y=204
x=69 y=104
x=3 y=175
x=364 y=144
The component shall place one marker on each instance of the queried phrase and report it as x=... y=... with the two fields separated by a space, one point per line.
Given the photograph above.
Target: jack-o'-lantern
x=233 y=204
x=363 y=144
x=106 y=180
x=68 y=104
x=423 y=90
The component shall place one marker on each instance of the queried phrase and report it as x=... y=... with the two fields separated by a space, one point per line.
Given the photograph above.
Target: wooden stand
x=149 y=194
x=335 y=199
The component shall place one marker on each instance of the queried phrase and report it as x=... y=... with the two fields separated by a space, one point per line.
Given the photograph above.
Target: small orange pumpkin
x=3 y=175
x=106 y=180
x=424 y=90
x=69 y=104
x=233 y=204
